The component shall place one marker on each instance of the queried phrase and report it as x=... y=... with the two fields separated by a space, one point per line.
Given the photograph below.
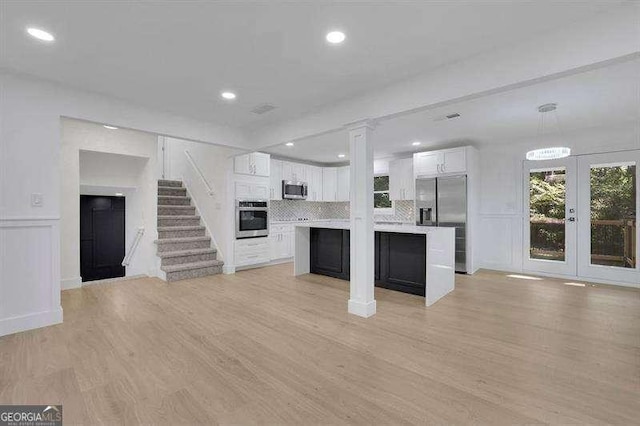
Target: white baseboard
x=561 y=277
x=362 y=309
x=30 y=321
x=70 y=283
x=234 y=269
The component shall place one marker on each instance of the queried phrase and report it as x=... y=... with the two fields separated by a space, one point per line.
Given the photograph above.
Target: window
x=381 y=202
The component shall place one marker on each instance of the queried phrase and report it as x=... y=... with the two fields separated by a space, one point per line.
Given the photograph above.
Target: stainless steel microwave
x=294 y=190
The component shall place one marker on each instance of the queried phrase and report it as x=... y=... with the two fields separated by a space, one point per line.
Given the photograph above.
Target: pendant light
x=550 y=153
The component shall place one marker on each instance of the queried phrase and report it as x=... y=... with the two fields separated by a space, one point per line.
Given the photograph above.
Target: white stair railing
x=134 y=246
x=210 y=190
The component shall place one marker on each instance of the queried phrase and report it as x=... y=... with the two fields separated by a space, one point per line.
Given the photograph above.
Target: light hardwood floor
x=264 y=347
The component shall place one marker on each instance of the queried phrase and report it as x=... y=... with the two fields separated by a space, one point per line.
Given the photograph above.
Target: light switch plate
x=36 y=200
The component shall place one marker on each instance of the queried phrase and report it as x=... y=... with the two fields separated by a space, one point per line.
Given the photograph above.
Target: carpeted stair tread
x=191 y=266
x=182 y=240
x=180 y=253
x=176 y=206
x=177 y=216
x=179 y=228
x=171 y=183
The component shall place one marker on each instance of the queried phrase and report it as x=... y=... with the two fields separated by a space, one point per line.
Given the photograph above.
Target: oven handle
x=260 y=209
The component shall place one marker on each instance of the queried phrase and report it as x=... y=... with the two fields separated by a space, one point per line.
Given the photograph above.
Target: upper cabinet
x=295 y=172
x=329 y=184
x=446 y=161
x=255 y=163
x=401 y=181
x=314 y=183
x=323 y=183
x=251 y=191
x=275 y=180
x=343 y=184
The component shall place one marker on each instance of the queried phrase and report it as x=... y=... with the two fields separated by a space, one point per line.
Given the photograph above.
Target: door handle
x=572 y=219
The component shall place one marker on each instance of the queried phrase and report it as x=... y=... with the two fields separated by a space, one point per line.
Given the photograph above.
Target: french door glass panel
x=547 y=199
x=550 y=223
x=608 y=227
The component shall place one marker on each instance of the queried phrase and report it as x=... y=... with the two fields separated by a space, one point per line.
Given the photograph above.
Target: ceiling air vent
x=447 y=117
x=261 y=109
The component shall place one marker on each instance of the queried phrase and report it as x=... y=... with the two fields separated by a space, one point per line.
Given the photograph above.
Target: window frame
x=387 y=211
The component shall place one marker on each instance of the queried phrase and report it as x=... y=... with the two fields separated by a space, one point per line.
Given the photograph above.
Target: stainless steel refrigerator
x=443 y=202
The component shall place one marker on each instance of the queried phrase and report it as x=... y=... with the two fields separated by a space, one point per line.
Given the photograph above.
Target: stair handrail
x=134 y=246
x=210 y=190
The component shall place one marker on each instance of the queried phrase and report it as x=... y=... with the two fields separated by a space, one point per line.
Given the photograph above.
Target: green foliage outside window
x=381 y=193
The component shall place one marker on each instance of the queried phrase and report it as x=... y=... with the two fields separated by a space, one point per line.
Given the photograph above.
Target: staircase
x=183 y=247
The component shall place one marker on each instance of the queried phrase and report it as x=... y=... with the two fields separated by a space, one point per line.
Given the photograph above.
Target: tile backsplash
x=313 y=210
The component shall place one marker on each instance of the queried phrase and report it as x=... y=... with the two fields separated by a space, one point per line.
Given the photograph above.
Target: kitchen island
x=413 y=259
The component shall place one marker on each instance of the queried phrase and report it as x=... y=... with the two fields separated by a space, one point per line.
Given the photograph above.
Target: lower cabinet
x=330 y=252
x=400 y=259
x=401 y=262
x=251 y=251
x=281 y=242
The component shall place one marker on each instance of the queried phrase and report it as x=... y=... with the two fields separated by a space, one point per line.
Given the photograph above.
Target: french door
x=550 y=216
x=581 y=217
x=608 y=205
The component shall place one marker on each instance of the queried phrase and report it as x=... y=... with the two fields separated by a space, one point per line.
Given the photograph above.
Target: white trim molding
x=70 y=283
x=29 y=273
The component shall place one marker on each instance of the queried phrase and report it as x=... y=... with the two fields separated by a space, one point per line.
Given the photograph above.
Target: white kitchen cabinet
x=454 y=161
x=281 y=242
x=343 y=184
x=255 y=163
x=434 y=163
x=275 y=180
x=401 y=180
x=329 y=184
x=295 y=172
x=426 y=163
x=314 y=183
x=252 y=251
x=252 y=191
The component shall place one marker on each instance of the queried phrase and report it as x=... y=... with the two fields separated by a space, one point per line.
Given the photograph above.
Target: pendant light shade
x=549 y=153
x=553 y=152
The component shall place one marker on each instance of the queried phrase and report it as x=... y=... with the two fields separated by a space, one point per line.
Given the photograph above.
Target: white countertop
x=401 y=228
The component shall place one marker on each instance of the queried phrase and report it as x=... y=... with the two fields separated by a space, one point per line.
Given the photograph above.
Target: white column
x=361 y=300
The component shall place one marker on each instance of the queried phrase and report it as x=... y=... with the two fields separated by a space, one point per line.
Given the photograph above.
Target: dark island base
x=400 y=259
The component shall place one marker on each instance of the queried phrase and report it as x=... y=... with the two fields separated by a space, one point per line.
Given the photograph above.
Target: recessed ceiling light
x=341 y=155
x=416 y=143
x=335 y=37
x=228 y=95
x=119 y=194
x=40 y=34
x=109 y=127
x=289 y=144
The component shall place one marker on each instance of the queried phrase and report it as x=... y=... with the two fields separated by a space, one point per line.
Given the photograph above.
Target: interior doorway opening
x=102 y=237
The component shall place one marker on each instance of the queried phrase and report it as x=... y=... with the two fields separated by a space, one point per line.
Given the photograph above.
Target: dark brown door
x=102 y=237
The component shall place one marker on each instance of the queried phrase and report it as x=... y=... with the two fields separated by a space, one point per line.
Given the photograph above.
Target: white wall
x=107 y=174
x=93 y=156
x=216 y=165
x=502 y=184
x=30 y=162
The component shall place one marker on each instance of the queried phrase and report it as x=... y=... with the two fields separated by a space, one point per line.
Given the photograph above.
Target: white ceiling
x=596 y=98
x=178 y=56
